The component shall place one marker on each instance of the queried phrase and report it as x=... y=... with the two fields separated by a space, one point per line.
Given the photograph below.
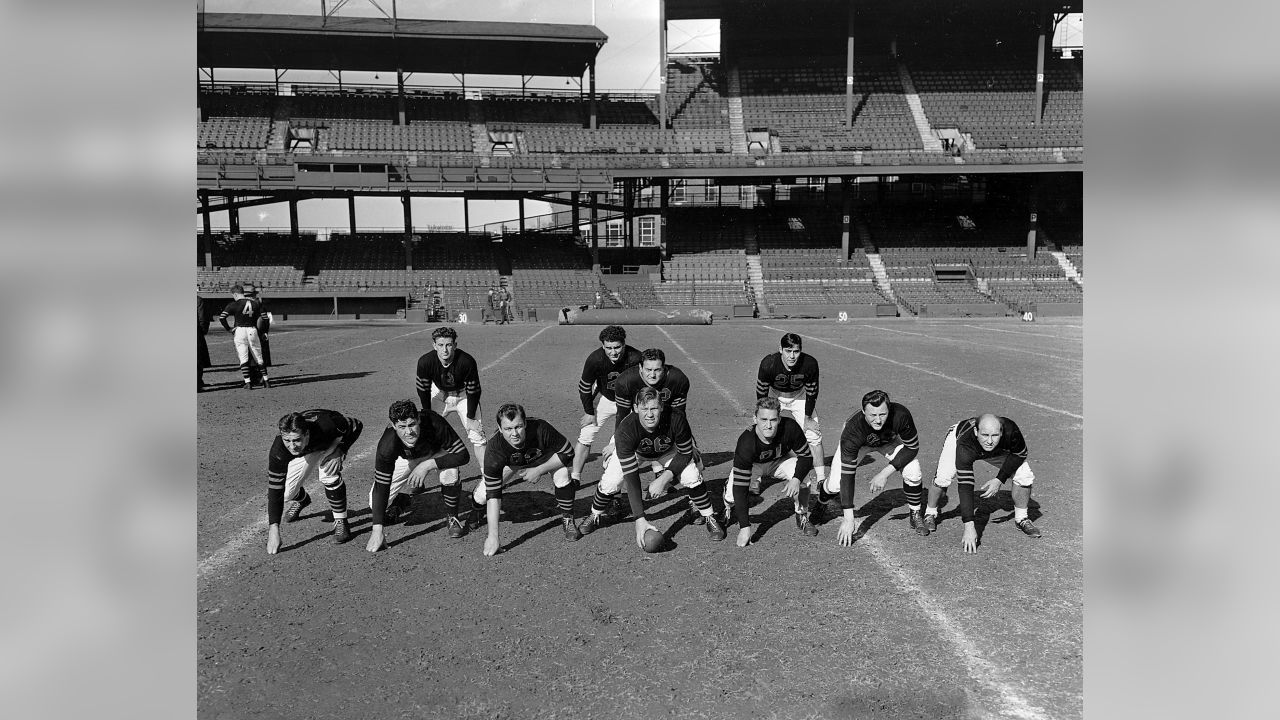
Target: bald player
x=791 y=375
x=992 y=439
x=599 y=373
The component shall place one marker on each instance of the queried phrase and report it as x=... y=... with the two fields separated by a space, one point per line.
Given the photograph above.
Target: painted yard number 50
x=843 y=316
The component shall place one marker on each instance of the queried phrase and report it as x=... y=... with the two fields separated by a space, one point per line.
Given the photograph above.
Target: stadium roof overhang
x=712 y=9
x=313 y=42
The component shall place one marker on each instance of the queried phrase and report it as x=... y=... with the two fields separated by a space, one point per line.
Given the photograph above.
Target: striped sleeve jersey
x=899 y=427
x=789 y=440
x=775 y=374
x=599 y=375
x=460 y=375
x=541 y=441
x=673 y=390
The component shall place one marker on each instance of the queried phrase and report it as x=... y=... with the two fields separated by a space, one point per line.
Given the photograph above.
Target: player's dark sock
x=700 y=498
x=914 y=493
x=244 y=371
x=451 y=494
x=564 y=500
x=825 y=497
x=337 y=496
x=600 y=502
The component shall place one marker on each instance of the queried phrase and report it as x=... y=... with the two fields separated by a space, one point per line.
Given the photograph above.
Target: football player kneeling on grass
x=417 y=443
x=658 y=439
x=313 y=441
x=887 y=429
x=992 y=439
x=524 y=448
x=774 y=447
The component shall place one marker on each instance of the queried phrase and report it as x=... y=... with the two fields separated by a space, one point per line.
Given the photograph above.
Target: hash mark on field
x=736 y=405
x=947 y=377
x=508 y=353
x=970 y=342
x=1019 y=332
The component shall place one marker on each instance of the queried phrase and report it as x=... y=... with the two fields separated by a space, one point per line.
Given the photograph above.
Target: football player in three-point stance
x=992 y=439
x=657 y=439
x=452 y=375
x=310 y=441
x=525 y=448
x=791 y=375
x=599 y=372
x=418 y=443
x=881 y=427
x=773 y=447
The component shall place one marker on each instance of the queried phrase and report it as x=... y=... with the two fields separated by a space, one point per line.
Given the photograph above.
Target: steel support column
x=848 y=73
x=662 y=64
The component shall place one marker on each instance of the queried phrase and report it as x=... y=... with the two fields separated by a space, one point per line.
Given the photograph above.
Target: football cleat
x=918 y=524
x=571 y=531
x=248 y=385
x=695 y=517
x=1026 y=527
x=266 y=382
x=293 y=508
x=930 y=524
x=819 y=512
x=620 y=508
x=805 y=527
x=592 y=522
x=341 y=531
x=457 y=527
x=714 y=528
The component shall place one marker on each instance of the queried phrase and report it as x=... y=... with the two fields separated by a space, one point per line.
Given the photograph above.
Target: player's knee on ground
x=911 y=474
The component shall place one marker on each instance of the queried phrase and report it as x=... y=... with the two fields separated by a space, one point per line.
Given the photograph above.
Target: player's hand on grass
x=587 y=419
x=376 y=541
x=877 y=482
x=848 y=528
x=744 y=536
x=643 y=526
x=792 y=488
x=491 y=545
x=970 y=540
x=273 y=539
x=991 y=487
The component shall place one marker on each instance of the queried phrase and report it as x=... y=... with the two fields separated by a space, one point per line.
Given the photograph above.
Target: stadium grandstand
x=861 y=159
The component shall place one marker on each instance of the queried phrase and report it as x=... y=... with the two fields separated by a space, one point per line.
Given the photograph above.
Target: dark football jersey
x=673 y=389
x=599 y=374
x=244 y=311
x=773 y=374
x=541 y=441
x=325 y=427
x=461 y=374
x=899 y=427
x=1012 y=446
x=788 y=440
x=436 y=437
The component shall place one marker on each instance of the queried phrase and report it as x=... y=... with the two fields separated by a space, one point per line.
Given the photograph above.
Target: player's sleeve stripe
x=762 y=386
x=423 y=383
x=804 y=451
x=275 y=484
x=679 y=401
x=621 y=401
x=1022 y=453
x=686 y=447
x=584 y=387
x=456 y=447
x=275 y=475
x=382 y=478
x=628 y=463
x=740 y=477
x=566 y=448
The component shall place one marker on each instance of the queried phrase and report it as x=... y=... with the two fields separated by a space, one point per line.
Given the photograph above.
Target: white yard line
x=220 y=559
x=1019 y=332
x=734 y=401
x=979 y=668
x=971 y=342
x=945 y=376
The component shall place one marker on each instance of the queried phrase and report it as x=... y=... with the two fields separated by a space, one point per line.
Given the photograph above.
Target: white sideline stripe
x=1019 y=332
x=978 y=667
x=945 y=376
x=218 y=560
x=970 y=342
x=736 y=405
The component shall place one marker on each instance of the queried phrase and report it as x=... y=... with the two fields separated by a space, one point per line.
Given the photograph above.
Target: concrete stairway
x=882 y=282
x=1068 y=267
x=927 y=136
x=480 y=144
x=737 y=132
x=755 y=273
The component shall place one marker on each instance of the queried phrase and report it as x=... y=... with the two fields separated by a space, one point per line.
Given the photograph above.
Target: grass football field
x=896 y=626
